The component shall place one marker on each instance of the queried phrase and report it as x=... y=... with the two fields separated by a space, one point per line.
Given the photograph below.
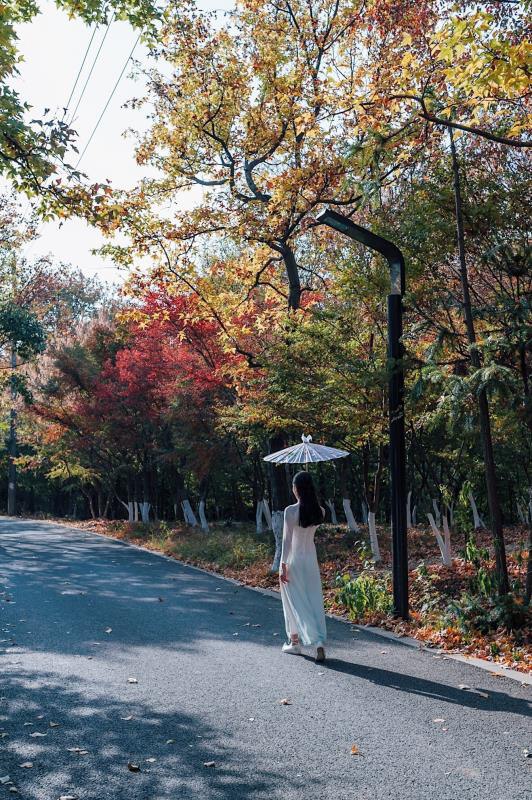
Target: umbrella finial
x=306 y=439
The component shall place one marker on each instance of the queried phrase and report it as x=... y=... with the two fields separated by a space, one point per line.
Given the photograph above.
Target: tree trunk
x=145 y=511
x=349 y=516
x=330 y=506
x=483 y=406
x=12 y=444
x=528 y=587
x=292 y=273
x=373 y=538
x=344 y=493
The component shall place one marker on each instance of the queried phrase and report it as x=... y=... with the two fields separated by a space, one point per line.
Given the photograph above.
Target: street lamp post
x=396 y=396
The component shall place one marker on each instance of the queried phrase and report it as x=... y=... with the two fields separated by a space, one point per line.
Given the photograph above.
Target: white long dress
x=302 y=596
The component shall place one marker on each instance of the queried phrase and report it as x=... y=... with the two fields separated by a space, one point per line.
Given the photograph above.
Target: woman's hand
x=284 y=574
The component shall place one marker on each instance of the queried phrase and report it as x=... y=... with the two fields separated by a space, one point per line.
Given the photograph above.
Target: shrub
x=369 y=592
x=477 y=613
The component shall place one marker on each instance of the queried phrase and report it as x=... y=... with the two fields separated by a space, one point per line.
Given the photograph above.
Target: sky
x=53 y=48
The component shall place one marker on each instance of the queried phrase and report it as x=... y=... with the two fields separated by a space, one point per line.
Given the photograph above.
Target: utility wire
x=80 y=98
x=95 y=28
x=106 y=106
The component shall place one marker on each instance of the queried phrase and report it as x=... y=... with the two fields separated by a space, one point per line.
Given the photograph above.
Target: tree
x=34 y=155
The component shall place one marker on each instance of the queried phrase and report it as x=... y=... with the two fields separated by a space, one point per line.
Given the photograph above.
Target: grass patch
x=222 y=548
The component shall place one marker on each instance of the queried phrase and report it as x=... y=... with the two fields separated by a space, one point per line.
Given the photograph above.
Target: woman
x=300 y=574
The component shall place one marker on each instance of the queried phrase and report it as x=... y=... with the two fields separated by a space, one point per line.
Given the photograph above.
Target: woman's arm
x=288 y=530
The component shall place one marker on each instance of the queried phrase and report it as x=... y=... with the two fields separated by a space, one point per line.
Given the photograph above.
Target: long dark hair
x=310 y=512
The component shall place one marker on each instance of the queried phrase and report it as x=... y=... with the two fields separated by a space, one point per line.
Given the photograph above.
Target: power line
x=95 y=28
x=106 y=106
x=80 y=98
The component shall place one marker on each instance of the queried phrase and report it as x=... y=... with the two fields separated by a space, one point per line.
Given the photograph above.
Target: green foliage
x=424 y=587
x=474 y=613
x=462 y=514
x=20 y=329
x=369 y=592
x=483 y=583
x=31 y=152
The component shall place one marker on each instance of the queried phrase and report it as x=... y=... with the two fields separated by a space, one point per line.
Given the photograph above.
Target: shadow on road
x=496 y=701
x=180 y=744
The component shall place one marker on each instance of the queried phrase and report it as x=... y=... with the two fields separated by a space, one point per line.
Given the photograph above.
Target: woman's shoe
x=320 y=655
x=290 y=647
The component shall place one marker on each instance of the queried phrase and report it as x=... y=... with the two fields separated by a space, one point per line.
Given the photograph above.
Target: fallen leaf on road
x=285 y=702
x=209 y=763
x=37 y=735
x=354 y=750
x=132 y=680
x=26 y=765
x=133 y=767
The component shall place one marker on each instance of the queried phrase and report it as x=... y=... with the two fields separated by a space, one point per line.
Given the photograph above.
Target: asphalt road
x=81 y=614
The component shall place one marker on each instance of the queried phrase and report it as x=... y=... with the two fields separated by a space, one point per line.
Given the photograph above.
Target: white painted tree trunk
x=409 y=510
x=437 y=513
x=373 y=538
x=444 y=541
x=263 y=514
x=188 y=513
x=277 y=527
x=129 y=508
x=203 y=518
x=364 y=513
x=267 y=514
x=414 y=516
x=136 y=514
x=258 y=517
x=349 y=516
x=145 y=511
x=330 y=506
x=477 y=519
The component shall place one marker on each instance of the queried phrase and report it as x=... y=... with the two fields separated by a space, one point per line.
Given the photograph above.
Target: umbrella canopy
x=305 y=453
